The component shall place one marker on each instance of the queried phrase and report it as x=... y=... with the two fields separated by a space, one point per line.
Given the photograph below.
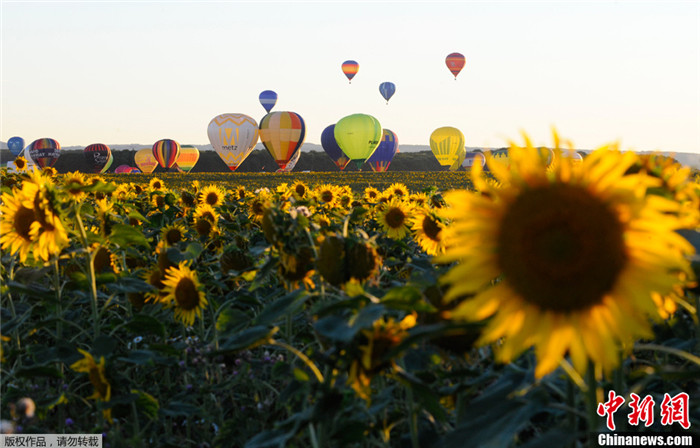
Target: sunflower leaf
x=124 y=235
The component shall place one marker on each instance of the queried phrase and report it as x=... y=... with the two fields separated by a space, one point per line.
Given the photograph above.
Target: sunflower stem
x=592 y=400
x=91 y=270
x=413 y=419
x=303 y=357
x=571 y=403
x=669 y=350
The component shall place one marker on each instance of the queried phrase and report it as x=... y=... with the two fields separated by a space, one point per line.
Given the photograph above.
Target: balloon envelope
x=446 y=144
x=233 y=137
x=460 y=158
x=350 y=69
x=268 y=99
x=166 y=152
x=45 y=151
x=330 y=146
x=358 y=135
x=292 y=162
x=108 y=164
x=97 y=155
x=189 y=155
x=455 y=63
x=387 y=90
x=382 y=156
x=282 y=133
x=123 y=169
x=15 y=145
x=145 y=160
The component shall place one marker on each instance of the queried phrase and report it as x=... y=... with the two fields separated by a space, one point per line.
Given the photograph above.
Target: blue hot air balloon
x=381 y=158
x=15 y=145
x=268 y=99
x=387 y=90
x=330 y=145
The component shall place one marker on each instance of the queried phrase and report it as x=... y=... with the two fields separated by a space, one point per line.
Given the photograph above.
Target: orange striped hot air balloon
x=189 y=155
x=350 y=69
x=455 y=63
x=282 y=133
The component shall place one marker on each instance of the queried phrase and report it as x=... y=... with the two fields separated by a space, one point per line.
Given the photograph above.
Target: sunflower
x=49 y=171
x=420 y=199
x=577 y=254
x=103 y=260
x=394 y=217
x=16 y=221
x=396 y=190
x=427 y=228
x=158 y=202
x=372 y=195
x=327 y=194
x=183 y=292
x=172 y=234
x=21 y=164
x=212 y=195
x=205 y=219
x=299 y=189
x=256 y=208
x=379 y=341
x=122 y=192
x=156 y=184
x=96 y=373
x=104 y=208
x=47 y=231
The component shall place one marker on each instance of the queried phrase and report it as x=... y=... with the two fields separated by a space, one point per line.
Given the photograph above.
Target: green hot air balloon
x=358 y=135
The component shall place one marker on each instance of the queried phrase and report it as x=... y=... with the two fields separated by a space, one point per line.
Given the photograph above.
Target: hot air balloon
x=97 y=155
x=45 y=151
x=446 y=144
x=499 y=156
x=108 y=164
x=460 y=158
x=189 y=155
x=282 y=133
x=233 y=136
x=145 y=160
x=358 y=135
x=387 y=90
x=268 y=99
x=473 y=158
x=292 y=162
x=350 y=69
x=15 y=145
x=331 y=147
x=123 y=169
x=455 y=63
x=385 y=152
x=166 y=152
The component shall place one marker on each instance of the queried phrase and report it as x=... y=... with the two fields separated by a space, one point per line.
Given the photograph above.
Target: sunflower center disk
x=431 y=228
x=23 y=222
x=561 y=248
x=395 y=218
x=186 y=294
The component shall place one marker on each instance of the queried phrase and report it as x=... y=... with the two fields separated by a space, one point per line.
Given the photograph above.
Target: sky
x=129 y=72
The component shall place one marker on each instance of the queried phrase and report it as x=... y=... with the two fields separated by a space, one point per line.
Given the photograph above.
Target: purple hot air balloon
x=382 y=156
x=166 y=152
x=332 y=149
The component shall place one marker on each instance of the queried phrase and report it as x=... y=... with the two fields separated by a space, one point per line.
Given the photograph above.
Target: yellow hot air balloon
x=446 y=144
x=358 y=135
x=145 y=161
x=282 y=133
x=460 y=158
x=189 y=155
x=233 y=136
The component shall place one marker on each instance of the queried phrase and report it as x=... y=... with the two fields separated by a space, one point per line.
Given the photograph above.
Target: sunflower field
x=508 y=308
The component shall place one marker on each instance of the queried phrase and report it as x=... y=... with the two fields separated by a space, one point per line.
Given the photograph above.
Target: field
x=300 y=310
